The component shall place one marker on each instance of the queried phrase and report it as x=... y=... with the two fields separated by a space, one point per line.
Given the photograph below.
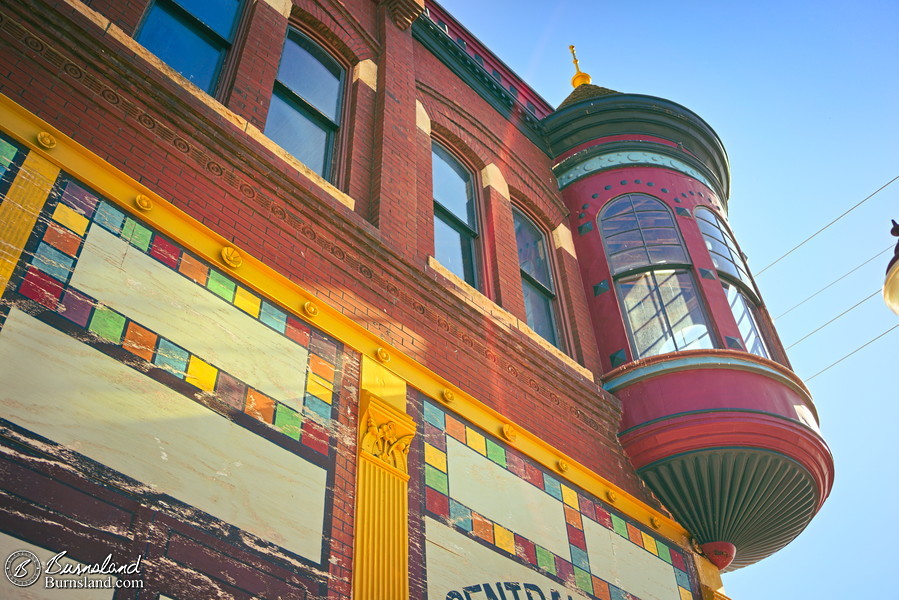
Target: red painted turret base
x=720 y=553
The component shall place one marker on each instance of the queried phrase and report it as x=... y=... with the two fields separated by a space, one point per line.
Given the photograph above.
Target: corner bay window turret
x=735 y=279
x=651 y=269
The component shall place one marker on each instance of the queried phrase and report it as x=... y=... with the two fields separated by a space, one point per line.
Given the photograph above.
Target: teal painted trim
x=589 y=163
x=434 y=39
x=717 y=410
x=705 y=362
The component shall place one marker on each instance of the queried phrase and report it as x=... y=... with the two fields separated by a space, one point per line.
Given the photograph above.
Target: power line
x=832 y=283
x=803 y=242
x=853 y=352
x=877 y=291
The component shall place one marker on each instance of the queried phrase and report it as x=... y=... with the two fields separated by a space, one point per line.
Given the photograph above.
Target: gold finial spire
x=580 y=77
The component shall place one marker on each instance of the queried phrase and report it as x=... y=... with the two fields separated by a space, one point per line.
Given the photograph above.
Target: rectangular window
x=455 y=216
x=191 y=36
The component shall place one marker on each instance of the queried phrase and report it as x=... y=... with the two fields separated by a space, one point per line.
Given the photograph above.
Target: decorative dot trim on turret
x=623 y=182
x=585 y=227
x=618 y=358
x=677 y=200
x=594 y=196
x=581 y=215
x=586 y=206
x=601 y=288
x=608 y=187
x=733 y=343
x=681 y=211
x=707 y=274
x=664 y=190
x=650 y=184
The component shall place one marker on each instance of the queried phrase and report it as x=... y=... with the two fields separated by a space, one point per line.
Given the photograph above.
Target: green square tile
x=108 y=324
x=496 y=453
x=546 y=560
x=619 y=526
x=220 y=285
x=583 y=580
x=664 y=552
x=288 y=421
x=436 y=479
x=137 y=234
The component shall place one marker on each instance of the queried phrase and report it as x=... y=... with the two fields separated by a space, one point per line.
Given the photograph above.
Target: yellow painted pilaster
x=20 y=209
x=381 y=563
x=709 y=579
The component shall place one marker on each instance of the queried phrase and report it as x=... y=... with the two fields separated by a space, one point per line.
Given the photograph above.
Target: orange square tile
x=260 y=406
x=321 y=367
x=482 y=527
x=601 y=589
x=192 y=268
x=634 y=535
x=455 y=428
x=139 y=341
x=573 y=517
x=62 y=239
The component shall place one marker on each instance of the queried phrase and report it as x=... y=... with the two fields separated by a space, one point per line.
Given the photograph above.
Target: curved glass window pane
x=313 y=75
x=744 y=312
x=663 y=313
x=289 y=127
x=452 y=185
x=725 y=253
x=639 y=231
x=532 y=250
x=182 y=45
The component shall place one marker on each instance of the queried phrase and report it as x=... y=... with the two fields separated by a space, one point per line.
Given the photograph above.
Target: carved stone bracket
x=386 y=433
x=404 y=12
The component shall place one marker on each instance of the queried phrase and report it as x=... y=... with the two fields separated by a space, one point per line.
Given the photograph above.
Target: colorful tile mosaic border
x=578 y=505
x=46 y=273
x=11 y=157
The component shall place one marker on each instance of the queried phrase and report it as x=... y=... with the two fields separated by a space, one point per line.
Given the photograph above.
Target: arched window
x=304 y=114
x=661 y=305
x=536 y=278
x=735 y=279
x=455 y=216
x=191 y=36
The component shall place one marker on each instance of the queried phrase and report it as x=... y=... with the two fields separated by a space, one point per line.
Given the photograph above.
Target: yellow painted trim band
x=165 y=217
x=20 y=209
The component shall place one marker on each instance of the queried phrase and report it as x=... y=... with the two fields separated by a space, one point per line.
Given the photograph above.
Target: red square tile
x=315 y=436
x=165 y=252
x=40 y=287
x=297 y=332
x=525 y=549
x=515 y=464
x=564 y=570
x=436 y=502
x=677 y=559
x=586 y=507
x=533 y=474
x=576 y=537
x=603 y=517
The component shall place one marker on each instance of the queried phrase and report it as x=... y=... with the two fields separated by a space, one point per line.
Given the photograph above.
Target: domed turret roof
x=585 y=91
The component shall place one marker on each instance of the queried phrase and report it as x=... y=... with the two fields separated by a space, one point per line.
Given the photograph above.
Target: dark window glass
x=191 y=36
x=536 y=278
x=304 y=115
x=745 y=313
x=662 y=307
x=455 y=221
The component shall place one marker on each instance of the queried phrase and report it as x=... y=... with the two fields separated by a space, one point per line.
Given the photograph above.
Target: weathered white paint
x=629 y=566
x=72 y=394
x=503 y=497
x=455 y=561
x=136 y=285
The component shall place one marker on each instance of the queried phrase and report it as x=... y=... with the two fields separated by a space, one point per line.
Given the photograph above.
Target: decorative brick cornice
x=404 y=12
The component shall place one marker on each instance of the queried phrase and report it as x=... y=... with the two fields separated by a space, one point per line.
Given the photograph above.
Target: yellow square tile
x=247 y=301
x=569 y=496
x=68 y=217
x=475 y=441
x=435 y=457
x=201 y=374
x=503 y=538
x=315 y=387
x=649 y=543
x=684 y=594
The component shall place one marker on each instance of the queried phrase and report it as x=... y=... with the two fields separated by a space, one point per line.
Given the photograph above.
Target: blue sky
x=804 y=97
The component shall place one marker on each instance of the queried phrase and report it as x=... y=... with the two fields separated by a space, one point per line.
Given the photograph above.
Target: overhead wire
x=853 y=352
x=809 y=238
x=856 y=305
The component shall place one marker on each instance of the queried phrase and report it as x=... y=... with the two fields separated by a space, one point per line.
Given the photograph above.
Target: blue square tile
x=460 y=515
x=273 y=317
x=317 y=407
x=682 y=579
x=552 y=487
x=109 y=217
x=434 y=416
x=172 y=358
x=616 y=593
x=579 y=558
x=53 y=262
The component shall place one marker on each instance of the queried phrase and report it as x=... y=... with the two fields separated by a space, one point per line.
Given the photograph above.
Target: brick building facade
x=406 y=365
